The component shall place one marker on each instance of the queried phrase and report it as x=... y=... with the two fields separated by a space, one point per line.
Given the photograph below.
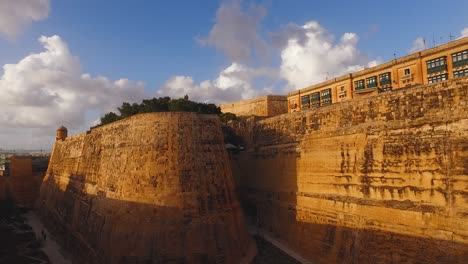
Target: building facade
x=447 y=61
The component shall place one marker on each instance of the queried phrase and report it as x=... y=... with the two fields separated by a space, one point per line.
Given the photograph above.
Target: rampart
x=152 y=188
x=21 y=183
x=269 y=105
x=382 y=179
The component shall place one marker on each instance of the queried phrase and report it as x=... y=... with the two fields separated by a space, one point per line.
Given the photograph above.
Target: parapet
x=264 y=106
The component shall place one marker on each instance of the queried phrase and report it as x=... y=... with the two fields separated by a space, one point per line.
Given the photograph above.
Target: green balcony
x=360 y=88
x=316 y=104
x=437 y=69
x=385 y=81
x=386 y=89
x=460 y=63
x=366 y=90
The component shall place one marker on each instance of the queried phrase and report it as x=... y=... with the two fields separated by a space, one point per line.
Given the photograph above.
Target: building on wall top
x=447 y=61
x=62 y=133
x=264 y=106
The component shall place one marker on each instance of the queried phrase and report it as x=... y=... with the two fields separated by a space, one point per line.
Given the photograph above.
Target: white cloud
x=310 y=55
x=235 y=82
x=464 y=32
x=46 y=89
x=419 y=44
x=15 y=15
x=235 y=31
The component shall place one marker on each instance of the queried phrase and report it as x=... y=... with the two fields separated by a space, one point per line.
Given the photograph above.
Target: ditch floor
x=268 y=253
x=18 y=242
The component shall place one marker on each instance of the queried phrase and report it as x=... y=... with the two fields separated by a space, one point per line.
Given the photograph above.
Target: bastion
x=152 y=188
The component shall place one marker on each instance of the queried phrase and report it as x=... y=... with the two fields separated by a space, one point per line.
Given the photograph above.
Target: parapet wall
x=377 y=180
x=269 y=105
x=152 y=188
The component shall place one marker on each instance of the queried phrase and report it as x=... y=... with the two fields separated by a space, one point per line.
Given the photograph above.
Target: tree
x=226 y=117
x=109 y=118
x=128 y=109
x=161 y=104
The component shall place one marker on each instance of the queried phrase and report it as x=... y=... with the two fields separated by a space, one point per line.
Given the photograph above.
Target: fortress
x=377 y=174
x=152 y=188
x=370 y=167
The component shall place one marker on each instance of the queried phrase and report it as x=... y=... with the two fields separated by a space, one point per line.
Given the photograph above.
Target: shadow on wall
x=154 y=187
x=267 y=184
x=99 y=229
x=378 y=180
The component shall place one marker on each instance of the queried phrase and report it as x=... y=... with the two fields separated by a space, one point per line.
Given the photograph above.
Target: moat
x=25 y=240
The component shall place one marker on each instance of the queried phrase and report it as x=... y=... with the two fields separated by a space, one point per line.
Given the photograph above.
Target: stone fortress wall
x=269 y=105
x=382 y=179
x=152 y=187
x=21 y=183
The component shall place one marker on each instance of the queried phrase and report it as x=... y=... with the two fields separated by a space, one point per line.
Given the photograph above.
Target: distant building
x=264 y=106
x=21 y=177
x=3 y=165
x=447 y=61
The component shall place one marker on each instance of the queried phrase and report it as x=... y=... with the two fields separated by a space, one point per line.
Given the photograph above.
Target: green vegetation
x=166 y=104
x=161 y=104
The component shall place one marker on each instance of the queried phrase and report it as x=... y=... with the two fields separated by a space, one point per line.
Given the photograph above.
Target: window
x=305 y=102
x=371 y=82
x=460 y=58
x=437 y=78
x=342 y=92
x=384 y=78
x=459 y=74
x=436 y=65
x=407 y=72
x=359 y=85
x=326 y=96
x=315 y=99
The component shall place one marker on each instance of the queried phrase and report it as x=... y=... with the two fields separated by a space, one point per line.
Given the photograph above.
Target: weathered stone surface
x=269 y=105
x=378 y=180
x=22 y=182
x=152 y=188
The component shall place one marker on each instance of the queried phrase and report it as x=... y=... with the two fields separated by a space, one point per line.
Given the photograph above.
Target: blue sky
x=216 y=51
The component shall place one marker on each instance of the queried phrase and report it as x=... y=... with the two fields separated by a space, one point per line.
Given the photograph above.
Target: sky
x=67 y=62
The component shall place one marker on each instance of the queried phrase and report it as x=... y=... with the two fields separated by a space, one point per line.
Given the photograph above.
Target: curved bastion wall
x=152 y=188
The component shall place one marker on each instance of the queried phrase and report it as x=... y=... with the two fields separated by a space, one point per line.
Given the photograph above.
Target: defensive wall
x=382 y=179
x=152 y=188
x=20 y=184
x=269 y=105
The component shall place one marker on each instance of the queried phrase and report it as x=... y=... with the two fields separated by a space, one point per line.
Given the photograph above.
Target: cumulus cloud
x=46 y=89
x=310 y=55
x=236 y=82
x=419 y=44
x=15 y=15
x=464 y=32
x=235 y=31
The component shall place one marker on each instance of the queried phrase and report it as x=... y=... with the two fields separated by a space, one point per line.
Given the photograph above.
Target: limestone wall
x=153 y=187
x=378 y=180
x=22 y=185
x=270 y=105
